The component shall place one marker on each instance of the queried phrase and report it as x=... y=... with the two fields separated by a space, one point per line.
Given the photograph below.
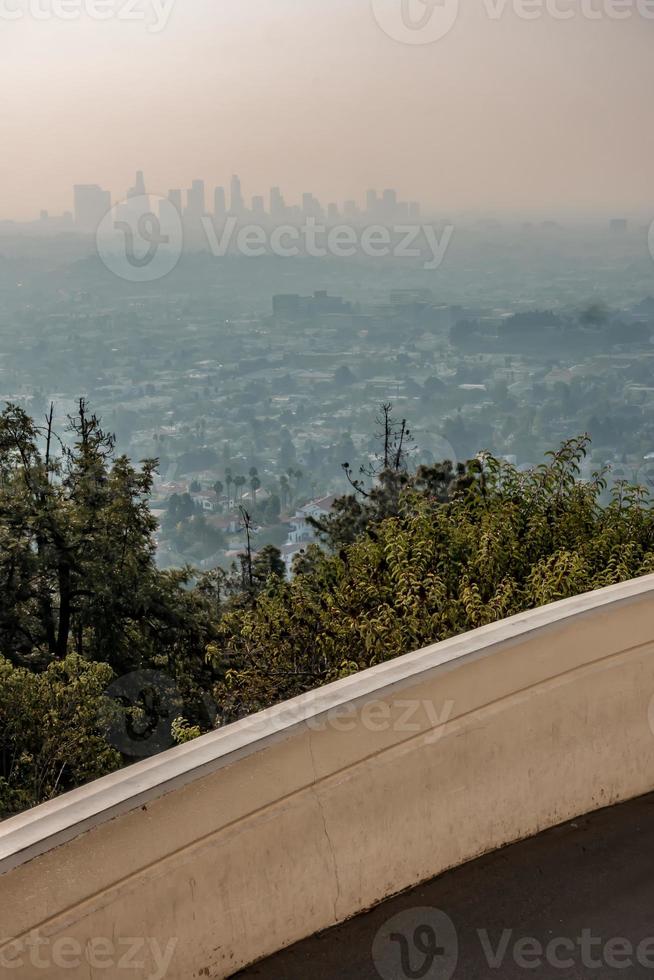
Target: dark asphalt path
x=573 y=903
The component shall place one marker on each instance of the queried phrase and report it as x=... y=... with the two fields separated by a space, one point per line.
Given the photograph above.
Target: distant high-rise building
x=91 y=205
x=332 y=213
x=219 y=202
x=195 y=200
x=389 y=204
x=258 y=206
x=175 y=198
x=311 y=207
x=371 y=203
x=414 y=211
x=237 y=204
x=277 y=205
x=351 y=210
x=137 y=203
x=619 y=226
x=138 y=190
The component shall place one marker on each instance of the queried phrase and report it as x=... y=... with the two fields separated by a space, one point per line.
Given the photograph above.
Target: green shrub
x=51 y=737
x=504 y=543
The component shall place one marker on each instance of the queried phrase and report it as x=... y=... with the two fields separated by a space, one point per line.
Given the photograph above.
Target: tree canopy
x=407 y=559
x=503 y=542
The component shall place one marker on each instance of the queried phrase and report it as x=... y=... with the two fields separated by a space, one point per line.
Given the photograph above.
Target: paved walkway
x=574 y=903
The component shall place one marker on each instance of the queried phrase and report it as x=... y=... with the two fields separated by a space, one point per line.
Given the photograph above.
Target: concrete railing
x=210 y=856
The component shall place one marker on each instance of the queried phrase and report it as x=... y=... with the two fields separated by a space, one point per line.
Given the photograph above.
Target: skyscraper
x=175 y=198
x=258 y=206
x=219 y=202
x=311 y=206
x=389 y=204
x=195 y=200
x=237 y=204
x=277 y=206
x=138 y=190
x=137 y=203
x=91 y=205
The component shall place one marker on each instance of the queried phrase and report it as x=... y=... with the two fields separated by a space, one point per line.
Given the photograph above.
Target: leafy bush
x=505 y=542
x=51 y=737
x=415 y=559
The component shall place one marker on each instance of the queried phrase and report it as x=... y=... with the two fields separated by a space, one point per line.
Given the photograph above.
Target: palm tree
x=290 y=473
x=229 y=479
x=284 y=487
x=239 y=482
x=255 y=484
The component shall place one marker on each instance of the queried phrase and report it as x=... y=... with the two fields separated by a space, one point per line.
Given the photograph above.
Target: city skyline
x=496 y=116
x=91 y=202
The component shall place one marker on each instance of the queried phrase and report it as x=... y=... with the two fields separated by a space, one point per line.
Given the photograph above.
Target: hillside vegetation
x=409 y=559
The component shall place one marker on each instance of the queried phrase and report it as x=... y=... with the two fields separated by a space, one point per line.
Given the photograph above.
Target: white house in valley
x=301 y=533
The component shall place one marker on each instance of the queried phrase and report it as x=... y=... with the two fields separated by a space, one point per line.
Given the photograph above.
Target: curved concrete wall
x=213 y=855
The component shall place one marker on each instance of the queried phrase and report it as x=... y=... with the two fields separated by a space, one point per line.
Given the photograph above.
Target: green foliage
x=51 y=737
x=503 y=542
x=77 y=569
x=82 y=602
x=182 y=732
x=180 y=508
x=412 y=559
x=197 y=538
x=353 y=515
x=253 y=575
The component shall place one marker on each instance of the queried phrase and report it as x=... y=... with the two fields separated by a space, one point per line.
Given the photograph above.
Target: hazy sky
x=502 y=112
